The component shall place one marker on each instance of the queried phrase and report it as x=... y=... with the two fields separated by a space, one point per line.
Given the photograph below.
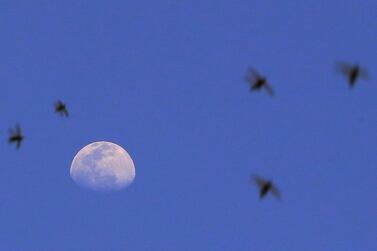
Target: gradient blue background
x=165 y=80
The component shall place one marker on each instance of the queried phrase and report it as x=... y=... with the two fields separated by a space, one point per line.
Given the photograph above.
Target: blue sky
x=165 y=80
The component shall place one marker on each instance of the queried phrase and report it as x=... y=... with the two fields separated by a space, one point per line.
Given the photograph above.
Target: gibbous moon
x=103 y=166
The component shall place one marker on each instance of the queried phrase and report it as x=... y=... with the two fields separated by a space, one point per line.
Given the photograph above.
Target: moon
x=103 y=166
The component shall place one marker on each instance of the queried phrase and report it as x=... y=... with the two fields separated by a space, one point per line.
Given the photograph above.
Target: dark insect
x=352 y=72
x=265 y=186
x=257 y=82
x=16 y=136
x=61 y=108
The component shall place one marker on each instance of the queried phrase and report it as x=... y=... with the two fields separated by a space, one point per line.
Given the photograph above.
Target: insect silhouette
x=257 y=82
x=265 y=186
x=61 y=108
x=16 y=136
x=352 y=72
